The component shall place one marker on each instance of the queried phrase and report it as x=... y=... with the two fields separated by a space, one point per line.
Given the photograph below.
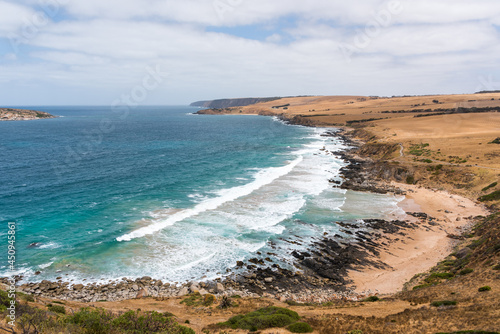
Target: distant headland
x=10 y=114
x=229 y=103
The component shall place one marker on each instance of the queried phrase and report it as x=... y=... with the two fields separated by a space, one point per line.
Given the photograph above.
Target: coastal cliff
x=10 y=114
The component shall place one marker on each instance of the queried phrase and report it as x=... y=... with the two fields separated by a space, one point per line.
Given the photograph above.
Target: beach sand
x=422 y=248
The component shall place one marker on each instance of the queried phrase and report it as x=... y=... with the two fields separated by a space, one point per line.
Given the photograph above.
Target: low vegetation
x=57 y=309
x=444 y=303
x=493 y=185
x=494 y=196
x=267 y=317
x=420 y=150
x=196 y=299
x=371 y=299
x=33 y=320
x=300 y=327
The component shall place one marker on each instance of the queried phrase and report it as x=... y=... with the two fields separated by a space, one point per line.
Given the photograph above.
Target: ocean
x=98 y=195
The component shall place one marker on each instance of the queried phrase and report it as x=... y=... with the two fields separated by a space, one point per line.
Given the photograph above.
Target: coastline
x=376 y=263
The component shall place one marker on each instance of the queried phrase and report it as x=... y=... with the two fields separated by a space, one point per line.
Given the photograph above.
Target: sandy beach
x=422 y=248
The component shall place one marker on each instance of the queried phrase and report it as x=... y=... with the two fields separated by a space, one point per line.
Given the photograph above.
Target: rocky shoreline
x=322 y=273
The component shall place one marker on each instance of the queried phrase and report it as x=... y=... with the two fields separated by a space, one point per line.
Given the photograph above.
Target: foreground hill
x=9 y=114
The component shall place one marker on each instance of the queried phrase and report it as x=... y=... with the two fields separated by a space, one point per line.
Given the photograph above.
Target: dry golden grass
x=336 y=110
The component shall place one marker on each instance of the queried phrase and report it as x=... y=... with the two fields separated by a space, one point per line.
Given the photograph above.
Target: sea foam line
x=262 y=178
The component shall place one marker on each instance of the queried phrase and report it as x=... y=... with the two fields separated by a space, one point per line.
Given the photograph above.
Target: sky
x=174 y=52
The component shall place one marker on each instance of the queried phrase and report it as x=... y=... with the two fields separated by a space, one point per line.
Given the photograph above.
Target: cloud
x=13 y=17
x=103 y=47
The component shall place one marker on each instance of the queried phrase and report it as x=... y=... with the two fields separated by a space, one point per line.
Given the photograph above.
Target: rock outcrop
x=9 y=114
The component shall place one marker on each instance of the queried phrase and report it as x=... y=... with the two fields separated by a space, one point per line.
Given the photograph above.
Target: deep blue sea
x=161 y=192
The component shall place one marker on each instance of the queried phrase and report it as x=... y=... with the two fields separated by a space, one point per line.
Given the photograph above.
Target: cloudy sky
x=93 y=51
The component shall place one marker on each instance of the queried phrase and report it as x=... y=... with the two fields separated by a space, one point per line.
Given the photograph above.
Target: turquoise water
x=164 y=193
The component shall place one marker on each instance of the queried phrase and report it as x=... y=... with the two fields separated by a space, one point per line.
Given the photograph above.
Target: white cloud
x=13 y=17
x=103 y=47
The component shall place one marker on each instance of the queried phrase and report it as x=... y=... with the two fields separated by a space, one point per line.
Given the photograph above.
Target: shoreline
x=377 y=262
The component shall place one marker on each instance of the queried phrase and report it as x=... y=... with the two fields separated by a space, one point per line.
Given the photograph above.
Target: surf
x=262 y=178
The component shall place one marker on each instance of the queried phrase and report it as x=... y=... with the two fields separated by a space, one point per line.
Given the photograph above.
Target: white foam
x=262 y=178
x=45 y=265
x=50 y=245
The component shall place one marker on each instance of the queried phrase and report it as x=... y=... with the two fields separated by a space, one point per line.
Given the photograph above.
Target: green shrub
x=493 y=185
x=92 y=321
x=435 y=278
x=444 y=303
x=263 y=318
x=100 y=321
x=194 y=299
x=497 y=267
x=421 y=286
x=300 y=327
x=355 y=331
x=57 y=309
x=25 y=297
x=208 y=300
x=466 y=271
x=371 y=299
x=148 y=322
x=491 y=197
x=4 y=298
x=419 y=150
x=484 y=288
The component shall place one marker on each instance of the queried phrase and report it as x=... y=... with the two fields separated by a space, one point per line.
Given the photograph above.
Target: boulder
x=194 y=288
x=184 y=291
x=143 y=293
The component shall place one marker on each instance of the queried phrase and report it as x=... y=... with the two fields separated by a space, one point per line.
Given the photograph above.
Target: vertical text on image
x=11 y=260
